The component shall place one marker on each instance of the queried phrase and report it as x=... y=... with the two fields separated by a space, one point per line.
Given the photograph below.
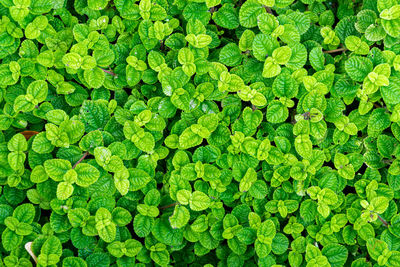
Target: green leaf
x=358 y=68
x=138 y=179
x=375 y=247
x=121 y=216
x=180 y=217
x=56 y=168
x=230 y=55
x=74 y=261
x=38 y=90
x=94 y=114
x=277 y=112
x=226 y=17
x=87 y=174
x=285 y=86
x=199 y=201
x=336 y=254
x=97 y=5
x=64 y=190
x=380 y=204
x=24 y=213
x=10 y=240
x=105 y=227
x=391 y=93
x=249 y=12
x=317 y=59
x=248 y=180
x=94 y=77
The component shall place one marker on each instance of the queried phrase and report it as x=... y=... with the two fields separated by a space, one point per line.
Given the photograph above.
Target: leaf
x=249 y=12
x=10 y=240
x=97 y=5
x=358 y=68
x=41 y=144
x=380 y=204
x=17 y=143
x=375 y=247
x=94 y=77
x=87 y=174
x=142 y=225
x=91 y=140
x=226 y=17
x=336 y=254
x=38 y=90
x=230 y=55
x=391 y=93
x=24 y=213
x=56 y=168
x=317 y=59
x=282 y=55
x=64 y=190
x=263 y=46
x=78 y=216
x=106 y=228
x=94 y=114
x=74 y=261
x=248 y=180
x=199 y=201
x=180 y=217
x=280 y=244
x=160 y=257
x=52 y=246
x=122 y=184
x=121 y=216
x=285 y=86
x=277 y=112
x=21 y=103
x=138 y=179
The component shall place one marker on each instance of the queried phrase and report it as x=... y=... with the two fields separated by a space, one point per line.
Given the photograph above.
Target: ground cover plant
x=199 y=133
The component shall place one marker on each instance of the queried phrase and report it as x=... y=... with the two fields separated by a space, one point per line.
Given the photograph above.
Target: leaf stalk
x=80 y=160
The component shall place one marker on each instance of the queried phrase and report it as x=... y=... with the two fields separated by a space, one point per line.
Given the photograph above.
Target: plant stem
x=376 y=105
x=168 y=206
x=162 y=45
x=28 y=247
x=80 y=160
x=109 y=72
x=268 y=9
x=382 y=220
x=212 y=10
x=336 y=50
x=388 y=161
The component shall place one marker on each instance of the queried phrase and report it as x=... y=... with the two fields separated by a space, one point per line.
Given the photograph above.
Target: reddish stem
x=383 y=221
x=268 y=9
x=336 y=50
x=109 y=72
x=80 y=160
x=168 y=206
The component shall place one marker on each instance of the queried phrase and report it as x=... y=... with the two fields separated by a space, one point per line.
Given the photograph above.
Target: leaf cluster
x=200 y=133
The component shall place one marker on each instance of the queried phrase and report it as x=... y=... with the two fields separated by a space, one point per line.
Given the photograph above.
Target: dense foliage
x=201 y=133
